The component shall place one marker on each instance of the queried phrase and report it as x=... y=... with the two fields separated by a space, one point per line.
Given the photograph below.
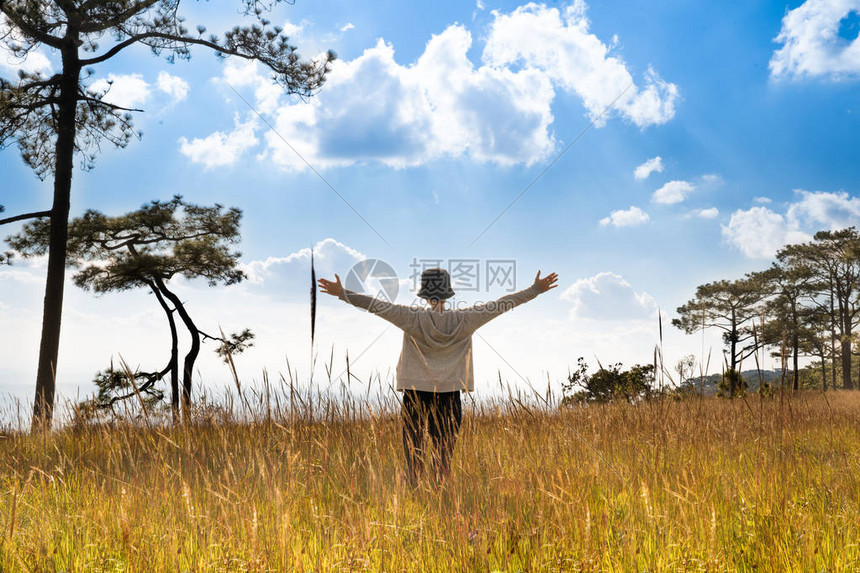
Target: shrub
x=608 y=384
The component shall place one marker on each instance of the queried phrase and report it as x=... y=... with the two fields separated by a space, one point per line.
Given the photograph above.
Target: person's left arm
x=480 y=314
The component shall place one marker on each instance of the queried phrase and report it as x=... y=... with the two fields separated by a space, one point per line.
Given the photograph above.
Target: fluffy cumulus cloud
x=626 y=217
x=374 y=108
x=814 y=43
x=129 y=90
x=607 y=296
x=673 y=192
x=290 y=274
x=287 y=277
x=655 y=164
x=247 y=74
x=132 y=90
x=172 y=85
x=221 y=148
x=291 y=29
x=825 y=210
x=559 y=43
x=760 y=232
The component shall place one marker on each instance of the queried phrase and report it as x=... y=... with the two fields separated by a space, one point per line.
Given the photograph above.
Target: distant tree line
x=806 y=304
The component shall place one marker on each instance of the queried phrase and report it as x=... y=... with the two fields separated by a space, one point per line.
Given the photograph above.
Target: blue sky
x=741 y=119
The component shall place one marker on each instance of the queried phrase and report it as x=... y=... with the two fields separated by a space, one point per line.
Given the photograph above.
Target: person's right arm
x=482 y=313
x=397 y=314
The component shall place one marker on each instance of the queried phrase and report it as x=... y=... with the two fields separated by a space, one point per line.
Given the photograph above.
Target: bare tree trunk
x=823 y=370
x=49 y=347
x=858 y=375
x=795 y=360
x=795 y=341
x=847 y=382
x=734 y=343
x=191 y=357
x=832 y=337
x=174 y=354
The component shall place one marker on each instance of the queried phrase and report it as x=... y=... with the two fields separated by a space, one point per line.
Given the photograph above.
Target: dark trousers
x=441 y=414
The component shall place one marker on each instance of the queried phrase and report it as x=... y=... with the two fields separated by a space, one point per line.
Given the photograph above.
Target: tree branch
x=118 y=18
x=136 y=240
x=181 y=39
x=112 y=106
x=30 y=107
x=52 y=81
x=25 y=216
x=42 y=37
x=151 y=379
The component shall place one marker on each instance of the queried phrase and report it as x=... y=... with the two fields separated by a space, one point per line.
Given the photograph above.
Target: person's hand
x=547 y=282
x=332 y=288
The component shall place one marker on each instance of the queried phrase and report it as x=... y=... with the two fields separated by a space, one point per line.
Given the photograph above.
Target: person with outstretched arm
x=435 y=363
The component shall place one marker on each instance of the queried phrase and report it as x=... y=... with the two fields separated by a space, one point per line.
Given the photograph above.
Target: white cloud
x=759 y=232
x=35 y=61
x=129 y=90
x=25 y=271
x=811 y=45
x=347 y=27
x=711 y=213
x=821 y=210
x=219 y=148
x=242 y=73
x=172 y=85
x=442 y=105
x=289 y=276
x=626 y=218
x=560 y=44
x=673 y=192
x=655 y=164
x=246 y=73
x=375 y=109
x=607 y=296
x=762 y=200
x=289 y=29
x=330 y=256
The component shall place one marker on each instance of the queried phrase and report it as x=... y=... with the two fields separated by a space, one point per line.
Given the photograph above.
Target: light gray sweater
x=437 y=346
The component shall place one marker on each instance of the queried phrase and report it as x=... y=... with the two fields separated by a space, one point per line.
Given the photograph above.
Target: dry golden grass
x=695 y=485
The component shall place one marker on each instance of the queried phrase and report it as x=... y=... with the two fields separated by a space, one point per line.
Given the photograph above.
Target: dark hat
x=435 y=284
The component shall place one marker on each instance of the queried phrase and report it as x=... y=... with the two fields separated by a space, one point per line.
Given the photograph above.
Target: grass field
x=694 y=485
